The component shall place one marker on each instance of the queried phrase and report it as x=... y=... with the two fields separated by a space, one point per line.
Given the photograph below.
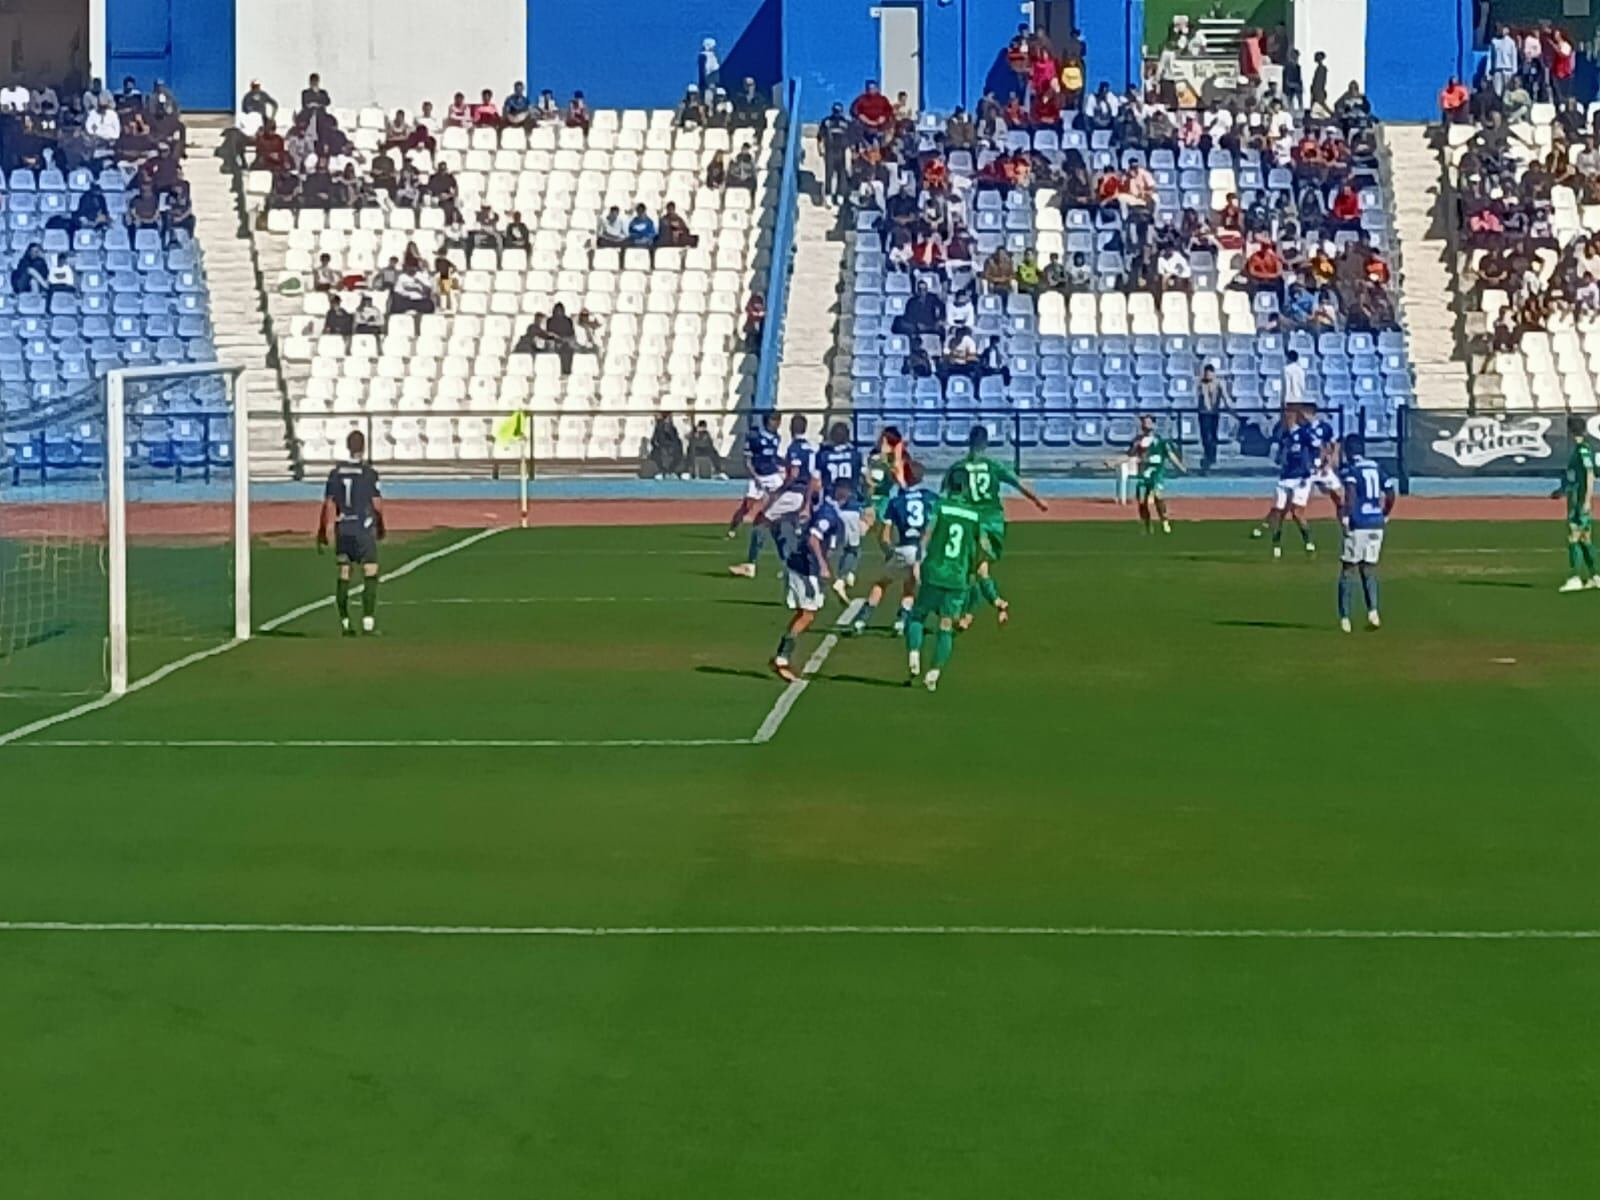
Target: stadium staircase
x=237 y=314
x=804 y=380
x=1427 y=285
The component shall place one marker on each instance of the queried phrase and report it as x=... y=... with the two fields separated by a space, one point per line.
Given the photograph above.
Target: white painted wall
x=392 y=53
x=1339 y=29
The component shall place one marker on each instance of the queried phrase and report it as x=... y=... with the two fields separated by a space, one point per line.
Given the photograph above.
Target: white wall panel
x=392 y=53
x=1339 y=29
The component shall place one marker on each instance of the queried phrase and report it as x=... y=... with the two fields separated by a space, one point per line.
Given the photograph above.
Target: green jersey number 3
x=952 y=547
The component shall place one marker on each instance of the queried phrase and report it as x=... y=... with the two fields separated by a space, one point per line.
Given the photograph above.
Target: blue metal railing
x=783 y=234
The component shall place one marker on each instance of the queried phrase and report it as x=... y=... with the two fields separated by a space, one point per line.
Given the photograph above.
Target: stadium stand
x=589 y=319
x=1524 y=172
x=1095 y=260
x=104 y=271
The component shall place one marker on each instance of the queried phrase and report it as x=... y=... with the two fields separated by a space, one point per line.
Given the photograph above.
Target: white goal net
x=124 y=521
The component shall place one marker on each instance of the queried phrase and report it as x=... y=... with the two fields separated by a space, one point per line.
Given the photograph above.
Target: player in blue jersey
x=352 y=508
x=763 y=468
x=806 y=569
x=840 y=462
x=1325 y=446
x=1296 y=454
x=1365 y=496
x=785 y=509
x=906 y=520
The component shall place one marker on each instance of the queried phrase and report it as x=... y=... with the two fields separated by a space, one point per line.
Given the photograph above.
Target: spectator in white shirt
x=103 y=125
x=14 y=98
x=1173 y=268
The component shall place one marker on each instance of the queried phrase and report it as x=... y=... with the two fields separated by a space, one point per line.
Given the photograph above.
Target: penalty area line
x=785 y=702
x=377 y=743
x=12 y=736
x=814 y=931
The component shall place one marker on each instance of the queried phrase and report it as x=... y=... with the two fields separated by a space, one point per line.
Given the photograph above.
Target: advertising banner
x=1458 y=444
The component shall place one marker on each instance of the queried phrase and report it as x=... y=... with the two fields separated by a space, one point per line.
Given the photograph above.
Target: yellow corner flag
x=512 y=430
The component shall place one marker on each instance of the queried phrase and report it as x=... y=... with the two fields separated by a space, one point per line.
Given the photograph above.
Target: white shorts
x=900 y=562
x=803 y=592
x=786 y=504
x=1361 y=546
x=852 y=528
x=1294 y=493
x=1325 y=480
x=759 y=487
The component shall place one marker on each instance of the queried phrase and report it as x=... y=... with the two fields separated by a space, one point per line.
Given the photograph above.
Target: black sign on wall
x=1459 y=444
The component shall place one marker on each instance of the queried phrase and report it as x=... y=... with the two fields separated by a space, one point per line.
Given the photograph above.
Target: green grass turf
x=1170 y=734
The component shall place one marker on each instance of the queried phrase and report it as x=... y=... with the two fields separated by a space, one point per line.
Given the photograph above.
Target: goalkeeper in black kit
x=352 y=509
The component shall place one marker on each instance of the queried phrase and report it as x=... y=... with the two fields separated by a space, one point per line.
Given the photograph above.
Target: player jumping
x=352 y=503
x=764 y=472
x=984 y=477
x=948 y=559
x=1153 y=455
x=905 y=523
x=1577 y=487
x=839 y=462
x=1365 y=496
x=806 y=569
x=1295 y=459
x=786 y=508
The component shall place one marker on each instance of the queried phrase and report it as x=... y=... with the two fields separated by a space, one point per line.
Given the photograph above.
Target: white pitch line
x=546 y=600
x=780 y=709
x=374 y=743
x=822 y=931
x=189 y=660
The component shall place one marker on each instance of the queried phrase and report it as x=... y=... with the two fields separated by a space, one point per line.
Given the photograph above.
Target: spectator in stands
x=1517 y=102
x=641 y=229
x=1503 y=56
x=1173 y=272
x=458 y=114
x=285 y=191
x=999 y=272
x=534 y=339
x=317 y=189
x=91 y=211
x=455 y=228
x=485 y=233
x=755 y=321
x=446 y=282
x=1319 y=85
x=704 y=461
x=103 y=127
x=367 y=319
x=749 y=107
x=1455 y=102
x=709 y=68
x=325 y=276
x=314 y=99
x=517 y=236
x=386 y=276
x=613 y=229
x=872 y=110
x=924 y=313
x=442 y=188
x=162 y=171
x=545 y=109
x=1563 y=65
x=144 y=210
x=517 y=111
x=1211 y=399
x=960 y=356
x=1294 y=86
x=717 y=171
x=271 y=152
x=691 y=112
x=674 y=231
x=666 y=448
x=32 y=272
x=1263 y=270
x=300 y=146
x=1354 y=110
x=834 y=136
x=408 y=187
x=338 y=322
x=130 y=97
x=259 y=102
x=562 y=335
x=962 y=308
x=1080 y=276
x=918 y=363
x=1028 y=273
x=578 y=115
x=742 y=171
x=168 y=129
x=486 y=113
x=179 y=214
x=992 y=362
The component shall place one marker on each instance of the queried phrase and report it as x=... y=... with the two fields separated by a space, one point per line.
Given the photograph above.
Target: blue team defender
x=1365 y=496
x=839 y=469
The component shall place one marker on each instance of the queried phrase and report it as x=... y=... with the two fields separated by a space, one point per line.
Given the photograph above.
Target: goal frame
x=237 y=394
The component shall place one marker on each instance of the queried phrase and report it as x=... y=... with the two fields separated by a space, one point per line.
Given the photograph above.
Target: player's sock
x=754 y=554
x=942 y=646
x=1369 y=587
x=785 y=647
x=341 y=598
x=1588 y=555
x=1346 y=586
x=989 y=589
x=1305 y=532
x=369 y=600
x=914 y=635
x=864 y=615
x=848 y=558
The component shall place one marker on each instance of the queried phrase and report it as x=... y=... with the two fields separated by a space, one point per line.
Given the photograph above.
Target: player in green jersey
x=949 y=555
x=1577 y=488
x=1153 y=456
x=886 y=470
x=984 y=480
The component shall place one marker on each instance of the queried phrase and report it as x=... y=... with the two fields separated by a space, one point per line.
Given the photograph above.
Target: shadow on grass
x=862 y=680
x=738 y=672
x=1242 y=624
x=282 y=633
x=1521 y=585
x=747 y=602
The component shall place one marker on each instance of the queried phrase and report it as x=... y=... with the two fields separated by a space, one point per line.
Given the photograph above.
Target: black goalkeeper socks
x=341 y=597
x=369 y=597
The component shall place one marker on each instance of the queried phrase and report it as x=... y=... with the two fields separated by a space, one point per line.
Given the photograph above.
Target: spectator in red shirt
x=1013 y=115
x=873 y=110
x=486 y=113
x=1454 y=101
x=1563 y=63
x=1045 y=110
x=578 y=115
x=459 y=113
x=1346 y=207
x=1263 y=270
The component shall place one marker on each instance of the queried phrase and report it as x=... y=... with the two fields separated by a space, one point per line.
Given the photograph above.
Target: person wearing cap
x=257 y=100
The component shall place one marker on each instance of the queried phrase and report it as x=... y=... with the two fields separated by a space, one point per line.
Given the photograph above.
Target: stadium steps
x=1427 y=285
x=804 y=379
x=237 y=314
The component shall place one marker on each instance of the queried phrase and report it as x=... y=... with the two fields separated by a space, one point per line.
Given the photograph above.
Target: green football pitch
x=1172 y=890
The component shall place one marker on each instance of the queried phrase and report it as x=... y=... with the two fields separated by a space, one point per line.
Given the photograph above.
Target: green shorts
x=1147 y=487
x=933 y=600
x=1578 y=525
x=992 y=536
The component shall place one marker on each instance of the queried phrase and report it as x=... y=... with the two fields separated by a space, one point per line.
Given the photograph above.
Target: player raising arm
x=948 y=559
x=906 y=520
x=786 y=508
x=353 y=507
x=984 y=478
x=805 y=571
x=1153 y=456
x=1577 y=487
x=886 y=470
x=1365 y=496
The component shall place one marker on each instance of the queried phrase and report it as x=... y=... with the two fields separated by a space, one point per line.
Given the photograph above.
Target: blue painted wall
x=643 y=53
x=1114 y=33
x=188 y=43
x=1413 y=46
